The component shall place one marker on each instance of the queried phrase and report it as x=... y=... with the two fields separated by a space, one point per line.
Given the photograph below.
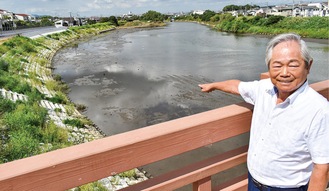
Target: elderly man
x=289 y=136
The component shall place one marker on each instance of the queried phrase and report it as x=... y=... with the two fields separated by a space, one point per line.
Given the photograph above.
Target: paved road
x=32 y=32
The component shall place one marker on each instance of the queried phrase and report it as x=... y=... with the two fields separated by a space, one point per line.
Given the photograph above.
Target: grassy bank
x=310 y=27
x=25 y=69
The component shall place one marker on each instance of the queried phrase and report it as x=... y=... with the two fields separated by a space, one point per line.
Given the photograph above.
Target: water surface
x=132 y=79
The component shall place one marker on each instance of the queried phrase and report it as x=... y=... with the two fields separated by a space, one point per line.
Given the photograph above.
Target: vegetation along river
x=132 y=78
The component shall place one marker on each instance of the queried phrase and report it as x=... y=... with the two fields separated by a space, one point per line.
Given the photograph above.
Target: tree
x=104 y=19
x=231 y=8
x=207 y=15
x=237 y=7
x=46 y=21
x=114 y=21
x=152 y=16
x=215 y=18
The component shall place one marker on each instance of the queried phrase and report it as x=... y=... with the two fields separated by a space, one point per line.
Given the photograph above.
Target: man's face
x=287 y=68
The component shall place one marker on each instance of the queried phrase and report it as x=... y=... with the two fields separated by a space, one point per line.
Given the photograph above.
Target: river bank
x=36 y=70
x=308 y=27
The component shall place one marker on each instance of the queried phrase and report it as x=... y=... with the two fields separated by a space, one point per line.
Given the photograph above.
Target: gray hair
x=284 y=38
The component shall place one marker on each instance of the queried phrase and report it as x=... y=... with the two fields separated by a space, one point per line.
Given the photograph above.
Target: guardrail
x=77 y=165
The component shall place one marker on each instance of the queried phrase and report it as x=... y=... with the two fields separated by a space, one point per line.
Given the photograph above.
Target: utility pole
x=1 y=29
x=71 y=23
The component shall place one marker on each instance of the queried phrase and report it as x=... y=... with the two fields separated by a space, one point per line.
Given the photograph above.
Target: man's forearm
x=229 y=86
x=319 y=177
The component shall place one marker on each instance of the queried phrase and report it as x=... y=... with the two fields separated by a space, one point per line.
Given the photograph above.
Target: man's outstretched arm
x=229 y=86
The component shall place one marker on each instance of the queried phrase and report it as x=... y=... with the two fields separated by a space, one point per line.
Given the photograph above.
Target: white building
x=22 y=17
x=7 y=19
x=198 y=12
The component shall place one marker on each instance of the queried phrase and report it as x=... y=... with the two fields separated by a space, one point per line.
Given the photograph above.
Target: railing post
x=203 y=184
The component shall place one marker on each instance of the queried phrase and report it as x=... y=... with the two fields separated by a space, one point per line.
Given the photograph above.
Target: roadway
x=32 y=32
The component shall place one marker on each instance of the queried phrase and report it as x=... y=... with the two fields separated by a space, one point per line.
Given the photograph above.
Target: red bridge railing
x=77 y=165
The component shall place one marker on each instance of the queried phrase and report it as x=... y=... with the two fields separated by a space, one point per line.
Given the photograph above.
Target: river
x=132 y=78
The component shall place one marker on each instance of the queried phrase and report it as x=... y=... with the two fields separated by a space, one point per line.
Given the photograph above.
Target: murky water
x=129 y=79
x=132 y=79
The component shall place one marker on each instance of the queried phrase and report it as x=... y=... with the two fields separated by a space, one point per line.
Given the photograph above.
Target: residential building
x=198 y=12
x=22 y=17
x=7 y=19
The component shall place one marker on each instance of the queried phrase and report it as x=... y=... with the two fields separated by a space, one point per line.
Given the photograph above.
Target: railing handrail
x=73 y=166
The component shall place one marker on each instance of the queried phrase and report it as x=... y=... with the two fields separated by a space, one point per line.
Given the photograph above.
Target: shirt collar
x=274 y=90
x=301 y=89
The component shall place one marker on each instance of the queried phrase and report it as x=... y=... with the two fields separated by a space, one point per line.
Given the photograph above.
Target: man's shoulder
x=264 y=85
x=266 y=82
x=263 y=82
x=315 y=94
x=316 y=99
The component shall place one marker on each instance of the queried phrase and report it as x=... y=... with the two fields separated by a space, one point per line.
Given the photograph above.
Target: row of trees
x=152 y=16
x=313 y=27
x=239 y=7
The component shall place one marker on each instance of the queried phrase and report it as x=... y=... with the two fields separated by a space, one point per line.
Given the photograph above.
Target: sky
x=105 y=8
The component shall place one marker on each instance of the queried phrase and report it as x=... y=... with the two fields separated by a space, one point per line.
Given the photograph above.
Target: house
x=314 y=9
x=320 y=9
x=7 y=15
x=128 y=16
x=7 y=19
x=325 y=10
x=22 y=17
x=292 y=10
x=198 y=12
x=282 y=10
x=266 y=10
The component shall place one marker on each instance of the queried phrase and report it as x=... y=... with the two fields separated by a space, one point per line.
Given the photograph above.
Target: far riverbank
x=307 y=27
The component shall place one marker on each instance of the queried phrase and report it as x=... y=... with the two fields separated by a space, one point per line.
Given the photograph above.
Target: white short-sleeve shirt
x=286 y=139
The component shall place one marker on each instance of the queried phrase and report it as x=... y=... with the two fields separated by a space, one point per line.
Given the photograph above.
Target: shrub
x=4 y=65
x=24 y=60
x=53 y=134
x=215 y=18
x=91 y=187
x=25 y=129
x=273 y=19
x=10 y=44
x=57 y=77
x=25 y=117
x=6 y=105
x=128 y=174
x=3 y=49
x=57 y=99
x=21 y=145
x=80 y=107
x=74 y=123
x=34 y=96
x=28 y=48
